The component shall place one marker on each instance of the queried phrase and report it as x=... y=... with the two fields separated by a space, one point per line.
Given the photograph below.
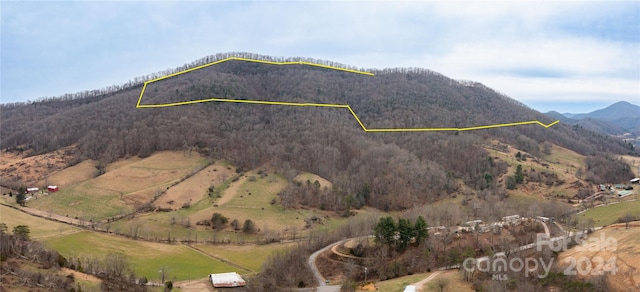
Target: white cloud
x=505 y=45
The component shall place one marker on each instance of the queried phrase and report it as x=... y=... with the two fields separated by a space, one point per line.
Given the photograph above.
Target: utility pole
x=365 y=275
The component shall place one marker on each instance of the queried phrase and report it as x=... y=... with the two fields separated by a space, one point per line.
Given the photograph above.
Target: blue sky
x=564 y=56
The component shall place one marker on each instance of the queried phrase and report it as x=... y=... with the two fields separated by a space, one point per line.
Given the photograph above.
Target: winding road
x=322 y=285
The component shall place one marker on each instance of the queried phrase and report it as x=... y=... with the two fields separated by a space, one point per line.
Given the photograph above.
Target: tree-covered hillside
x=397 y=170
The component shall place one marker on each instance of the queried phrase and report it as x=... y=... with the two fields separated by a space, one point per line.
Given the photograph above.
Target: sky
x=565 y=56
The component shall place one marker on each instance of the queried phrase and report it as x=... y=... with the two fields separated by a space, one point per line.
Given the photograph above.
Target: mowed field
x=146 y=258
x=121 y=188
x=608 y=214
x=613 y=251
x=39 y=227
x=248 y=256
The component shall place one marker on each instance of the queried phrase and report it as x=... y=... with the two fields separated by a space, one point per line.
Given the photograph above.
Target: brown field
x=120 y=190
x=15 y=167
x=194 y=188
x=623 y=253
x=634 y=162
x=75 y=174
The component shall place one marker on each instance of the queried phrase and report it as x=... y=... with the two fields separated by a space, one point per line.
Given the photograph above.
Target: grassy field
x=252 y=199
x=120 y=189
x=39 y=227
x=146 y=258
x=398 y=284
x=243 y=199
x=195 y=188
x=248 y=256
x=453 y=282
x=606 y=215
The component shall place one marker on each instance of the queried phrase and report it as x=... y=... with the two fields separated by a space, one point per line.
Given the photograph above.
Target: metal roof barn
x=226 y=280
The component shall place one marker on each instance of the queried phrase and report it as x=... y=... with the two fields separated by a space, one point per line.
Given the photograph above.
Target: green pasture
x=248 y=256
x=609 y=214
x=39 y=227
x=146 y=258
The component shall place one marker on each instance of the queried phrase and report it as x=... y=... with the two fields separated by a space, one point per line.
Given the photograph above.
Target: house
x=543 y=219
x=32 y=190
x=52 y=189
x=512 y=219
x=227 y=280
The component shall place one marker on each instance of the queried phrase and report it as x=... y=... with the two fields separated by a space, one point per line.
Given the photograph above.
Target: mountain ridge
x=618 y=119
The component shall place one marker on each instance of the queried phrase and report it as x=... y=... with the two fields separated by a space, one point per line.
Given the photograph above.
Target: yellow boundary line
x=346 y=106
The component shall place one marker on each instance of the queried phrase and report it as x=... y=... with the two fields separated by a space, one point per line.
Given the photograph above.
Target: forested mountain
x=374 y=167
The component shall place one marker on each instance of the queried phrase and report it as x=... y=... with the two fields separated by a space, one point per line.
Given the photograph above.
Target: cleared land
x=146 y=258
x=634 y=162
x=120 y=190
x=80 y=172
x=556 y=171
x=448 y=281
x=255 y=198
x=195 y=188
x=39 y=227
x=241 y=197
x=608 y=214
x=623 y=253
x=248 y=256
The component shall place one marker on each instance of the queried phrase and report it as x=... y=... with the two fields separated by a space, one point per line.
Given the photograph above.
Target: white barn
x=226 y=280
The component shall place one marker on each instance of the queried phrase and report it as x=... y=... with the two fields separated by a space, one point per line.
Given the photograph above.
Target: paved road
x=312 y=262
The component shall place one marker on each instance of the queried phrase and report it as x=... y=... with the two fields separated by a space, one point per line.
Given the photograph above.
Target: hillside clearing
x=120 y=190
x=249 y=256
x=80 y=172
x=609 y=214
x=39 y=227
x=195 y=188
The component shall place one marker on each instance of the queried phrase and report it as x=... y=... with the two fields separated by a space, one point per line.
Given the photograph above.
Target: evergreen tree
x=420 y=230
x=519 y=176
x=385 y=230
x=405 y=232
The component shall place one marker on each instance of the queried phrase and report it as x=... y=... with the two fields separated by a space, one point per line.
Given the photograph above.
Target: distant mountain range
x=619 y=119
